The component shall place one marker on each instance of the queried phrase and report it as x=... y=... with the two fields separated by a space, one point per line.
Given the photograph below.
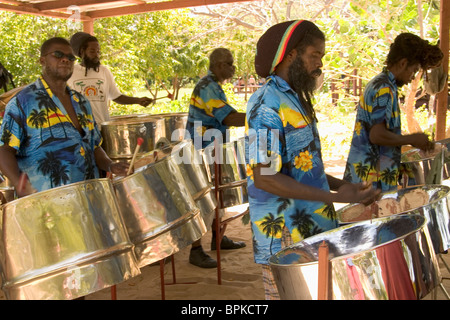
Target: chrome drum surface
x=175 y=124
x=233 y=177
x=159 y=212
x=436 y=211
x=120 y=135
x=386 y=259
x=189 y=161
x=427 y=168
x=65 y=243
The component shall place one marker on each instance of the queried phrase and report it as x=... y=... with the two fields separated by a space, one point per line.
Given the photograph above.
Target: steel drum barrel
x=233 y=177
x=65 y=243
x=383 y=259
x=427 y=168
x=430 y=201
x=120 y=135
x=189 y=161
x=159 y=212
x=175 y=125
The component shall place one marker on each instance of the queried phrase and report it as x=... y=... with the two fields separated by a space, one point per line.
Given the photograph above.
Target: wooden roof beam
x=156 y=6
x=64 y=4
x=29 y=9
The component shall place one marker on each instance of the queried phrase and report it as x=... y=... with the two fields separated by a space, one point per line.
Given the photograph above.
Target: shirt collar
x=280 y=83
x=391 y=77
x=212 y=75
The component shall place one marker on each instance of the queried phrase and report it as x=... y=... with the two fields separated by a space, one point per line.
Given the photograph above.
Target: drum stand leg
x=162 y=263
x=218 y=241
x=444 y=278
x=114 y=292
x=444 y=291
x=217 y=179
x=446 y=266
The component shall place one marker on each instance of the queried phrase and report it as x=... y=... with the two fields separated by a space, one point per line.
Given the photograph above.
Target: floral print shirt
x=367 y=161
x=50 y=150
x=278 y=133
x=207 y=110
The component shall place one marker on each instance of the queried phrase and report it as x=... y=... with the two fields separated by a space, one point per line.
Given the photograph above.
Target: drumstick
x=169 y=96
x=140 y=141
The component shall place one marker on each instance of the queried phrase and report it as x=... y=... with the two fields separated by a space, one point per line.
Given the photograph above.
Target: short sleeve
x=265 y=136
x=113 y=90
x=382 y=106
x=12 y=129
x=216 y=101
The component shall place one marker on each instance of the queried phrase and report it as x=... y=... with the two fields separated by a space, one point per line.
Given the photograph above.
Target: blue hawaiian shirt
x=207 y=110
x=278 y=133
x=367 y=161
x=50 y=150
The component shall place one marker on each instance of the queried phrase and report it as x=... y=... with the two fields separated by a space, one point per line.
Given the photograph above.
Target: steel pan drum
x=435 y=210
x=175 y=124
x=160 y=214
x=8 y=95
x=189 y=161
x=65 y=243
x=7 y=194
x=427 y=168
x=388 y=258
x=446 y=166
x=233 y=177
x=120 y=135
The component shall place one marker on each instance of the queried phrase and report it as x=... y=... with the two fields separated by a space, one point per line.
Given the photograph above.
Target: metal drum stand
x=220 y=225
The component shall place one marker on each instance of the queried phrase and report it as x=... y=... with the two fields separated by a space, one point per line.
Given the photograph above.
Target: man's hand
x=421 y=141
x=358 y=193
x=119 y=168
x=144 y=101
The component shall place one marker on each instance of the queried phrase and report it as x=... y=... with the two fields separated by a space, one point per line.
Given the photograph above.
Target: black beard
x=303 y=83
x=90 y=64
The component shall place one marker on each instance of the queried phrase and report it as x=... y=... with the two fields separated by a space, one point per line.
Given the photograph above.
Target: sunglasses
x=59 y=55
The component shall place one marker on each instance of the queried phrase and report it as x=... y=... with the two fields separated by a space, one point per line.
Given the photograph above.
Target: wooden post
x=355 y=82
x=324 y=273
x=88 y=26
x=442 y=97
x=334 y=95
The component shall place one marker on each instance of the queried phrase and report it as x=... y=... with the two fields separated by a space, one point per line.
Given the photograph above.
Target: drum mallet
x=140 y=141
x=169 y=96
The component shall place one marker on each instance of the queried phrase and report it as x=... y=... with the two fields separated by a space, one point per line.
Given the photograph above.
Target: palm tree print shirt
x=50 y=150
x=367 y=161
x=278 y=133
x=207 y=110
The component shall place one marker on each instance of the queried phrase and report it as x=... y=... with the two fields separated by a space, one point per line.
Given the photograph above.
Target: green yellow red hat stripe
x=283 y=44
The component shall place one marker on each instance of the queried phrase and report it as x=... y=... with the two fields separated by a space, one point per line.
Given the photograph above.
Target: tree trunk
x=409 y=106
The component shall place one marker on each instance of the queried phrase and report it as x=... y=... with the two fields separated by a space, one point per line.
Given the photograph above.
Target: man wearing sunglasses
x=48 y=133
x=95 y=81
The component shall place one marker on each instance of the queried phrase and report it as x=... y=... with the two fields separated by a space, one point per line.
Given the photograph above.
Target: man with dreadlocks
x=94 y=80
x=290 y=195
x=375 y=150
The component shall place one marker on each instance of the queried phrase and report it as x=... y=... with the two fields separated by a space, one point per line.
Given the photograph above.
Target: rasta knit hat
x=277 y=41
x=78 y=39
